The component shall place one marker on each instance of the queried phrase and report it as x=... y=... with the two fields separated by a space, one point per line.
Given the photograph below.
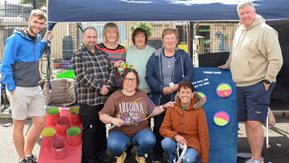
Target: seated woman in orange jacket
x=186 y=125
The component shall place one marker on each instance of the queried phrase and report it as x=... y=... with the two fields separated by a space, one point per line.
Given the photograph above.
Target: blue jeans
x=118 y=141
x=170 y=147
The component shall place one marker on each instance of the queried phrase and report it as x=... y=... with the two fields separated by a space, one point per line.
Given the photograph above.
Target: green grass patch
x=48 y=132
x=53 y=110
x=73 y=131
x=74 y=109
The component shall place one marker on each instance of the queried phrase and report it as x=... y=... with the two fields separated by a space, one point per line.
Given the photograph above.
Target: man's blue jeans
x=170 y=147
x=118 y=141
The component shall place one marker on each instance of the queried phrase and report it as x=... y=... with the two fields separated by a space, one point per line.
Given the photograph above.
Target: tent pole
x=34 y=4
x=67 y=29
x=191 y=39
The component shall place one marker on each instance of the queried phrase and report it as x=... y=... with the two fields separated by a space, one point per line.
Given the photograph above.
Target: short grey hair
x=168 y=31
x=245 y=3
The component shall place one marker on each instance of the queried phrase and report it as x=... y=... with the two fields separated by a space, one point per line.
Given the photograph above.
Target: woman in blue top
x=167 y=67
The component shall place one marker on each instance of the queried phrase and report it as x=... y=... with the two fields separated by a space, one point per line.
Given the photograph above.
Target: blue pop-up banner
x=219 y=91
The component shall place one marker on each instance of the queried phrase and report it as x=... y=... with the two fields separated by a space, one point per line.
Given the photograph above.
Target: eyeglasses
x=133 y=80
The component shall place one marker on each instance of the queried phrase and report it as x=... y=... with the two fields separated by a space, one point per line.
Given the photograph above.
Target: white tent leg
x=267 y=131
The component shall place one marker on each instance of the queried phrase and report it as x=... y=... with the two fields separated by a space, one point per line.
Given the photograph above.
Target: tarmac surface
x=277 y=153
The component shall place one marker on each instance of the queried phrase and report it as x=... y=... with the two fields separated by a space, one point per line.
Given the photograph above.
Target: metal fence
x=207 y=42
x=206 y=37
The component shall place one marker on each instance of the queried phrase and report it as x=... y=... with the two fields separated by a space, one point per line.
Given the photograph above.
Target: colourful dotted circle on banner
x=221 y=118
x=224 y=90
x=203 y=96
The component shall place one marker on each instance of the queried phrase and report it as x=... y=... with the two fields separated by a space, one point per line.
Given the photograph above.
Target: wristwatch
x=266 y=81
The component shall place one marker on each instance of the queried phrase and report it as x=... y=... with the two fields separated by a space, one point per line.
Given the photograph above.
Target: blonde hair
x=38 y=13
x=109 y=26
x=168 y=31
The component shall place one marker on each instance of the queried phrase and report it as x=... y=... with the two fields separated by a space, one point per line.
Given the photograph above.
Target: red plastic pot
x=73 y=135
x=62 y=124
x=75 y=119
x=47 y=134
x=74 y=116
x=52 y=114
x=58 y=148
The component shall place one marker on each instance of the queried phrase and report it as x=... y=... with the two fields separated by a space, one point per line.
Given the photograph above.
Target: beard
x=90 y=46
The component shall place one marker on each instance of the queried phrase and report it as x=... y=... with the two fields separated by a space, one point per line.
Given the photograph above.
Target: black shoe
x=31 y=159
x=23 y=161
x=103 y=158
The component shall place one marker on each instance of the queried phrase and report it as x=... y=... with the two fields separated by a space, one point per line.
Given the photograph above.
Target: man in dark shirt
x=94 y=80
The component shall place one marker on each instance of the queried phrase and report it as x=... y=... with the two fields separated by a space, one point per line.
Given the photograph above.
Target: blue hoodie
x=183 y=70
x=20 y=63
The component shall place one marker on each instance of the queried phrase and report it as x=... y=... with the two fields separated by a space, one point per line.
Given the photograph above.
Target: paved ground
x=278 y=141
x=7 y=151
x=277 y=153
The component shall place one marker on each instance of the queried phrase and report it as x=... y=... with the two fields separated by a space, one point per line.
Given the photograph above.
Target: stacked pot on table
x=61 y=131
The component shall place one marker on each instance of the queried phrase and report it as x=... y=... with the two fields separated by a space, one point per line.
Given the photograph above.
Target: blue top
x=20 y=63
x=183 y=70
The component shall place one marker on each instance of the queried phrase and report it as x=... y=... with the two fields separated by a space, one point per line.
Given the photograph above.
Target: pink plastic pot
x=73 y=136
x=58 y=148
x=74 y=116
x=47 y=134
x=75 y=119
x=52 y=115
x=62 y=124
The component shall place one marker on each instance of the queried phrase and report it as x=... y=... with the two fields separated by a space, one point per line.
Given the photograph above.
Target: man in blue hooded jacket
x=20 y=72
